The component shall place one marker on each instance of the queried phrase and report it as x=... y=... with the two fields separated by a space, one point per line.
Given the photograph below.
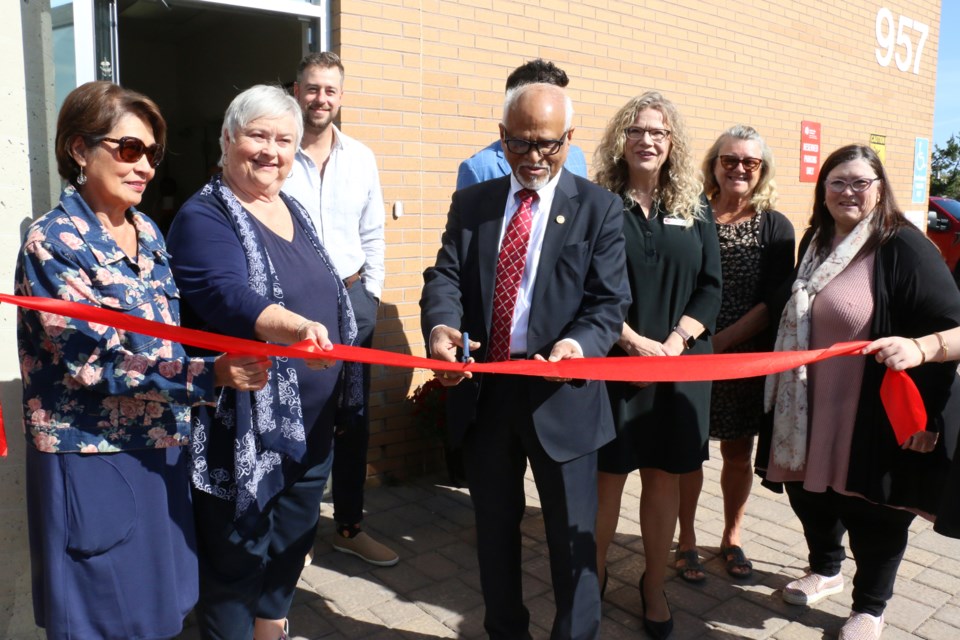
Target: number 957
x=891 y=44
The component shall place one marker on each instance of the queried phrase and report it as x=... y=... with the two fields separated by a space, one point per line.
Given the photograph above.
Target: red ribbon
x=898 y=392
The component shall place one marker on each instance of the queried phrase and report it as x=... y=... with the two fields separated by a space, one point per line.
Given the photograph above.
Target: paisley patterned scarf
x=786 y=392
x=267 y=425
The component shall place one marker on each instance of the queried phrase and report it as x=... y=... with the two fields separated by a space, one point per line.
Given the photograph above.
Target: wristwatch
x=688 y=340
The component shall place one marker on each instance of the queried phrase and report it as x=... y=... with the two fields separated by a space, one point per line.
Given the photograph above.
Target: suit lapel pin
x=561 y=219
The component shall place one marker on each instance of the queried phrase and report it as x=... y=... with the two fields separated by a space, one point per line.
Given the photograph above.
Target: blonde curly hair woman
x=673 y=263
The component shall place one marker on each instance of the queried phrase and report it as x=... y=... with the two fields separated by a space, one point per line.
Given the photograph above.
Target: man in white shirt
x=335 y=178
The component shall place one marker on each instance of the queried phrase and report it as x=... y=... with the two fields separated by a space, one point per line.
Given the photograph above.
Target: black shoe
x=603 y=586
x=659 y=630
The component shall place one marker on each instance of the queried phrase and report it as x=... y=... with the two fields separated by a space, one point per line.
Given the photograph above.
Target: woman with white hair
x=249 y=264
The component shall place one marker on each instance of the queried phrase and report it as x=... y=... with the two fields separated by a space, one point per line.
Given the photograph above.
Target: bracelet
x=300 y=328
x=943 y=346
x=923 y=355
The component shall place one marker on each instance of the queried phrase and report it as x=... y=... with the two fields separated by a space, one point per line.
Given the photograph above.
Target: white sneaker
x=812 y=588
x=862 y=626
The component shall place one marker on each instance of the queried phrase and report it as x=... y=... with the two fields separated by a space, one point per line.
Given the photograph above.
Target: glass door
x=85 y=32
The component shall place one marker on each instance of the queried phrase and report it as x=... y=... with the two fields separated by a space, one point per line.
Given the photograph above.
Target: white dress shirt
x=541 y=213
x=346 y=206
x=540 y=217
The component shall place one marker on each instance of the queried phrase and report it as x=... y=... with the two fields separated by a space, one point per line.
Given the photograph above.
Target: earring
x=81 y=179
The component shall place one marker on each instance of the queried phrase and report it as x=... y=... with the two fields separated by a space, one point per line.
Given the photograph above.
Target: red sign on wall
x=809 y=150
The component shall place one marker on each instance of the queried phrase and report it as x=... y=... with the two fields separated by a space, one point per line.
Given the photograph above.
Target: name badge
x=678 y=222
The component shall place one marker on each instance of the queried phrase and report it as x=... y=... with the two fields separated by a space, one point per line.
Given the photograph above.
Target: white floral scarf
x=786 y=392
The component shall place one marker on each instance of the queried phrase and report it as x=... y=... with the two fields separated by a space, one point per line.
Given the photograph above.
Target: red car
x=943 y=227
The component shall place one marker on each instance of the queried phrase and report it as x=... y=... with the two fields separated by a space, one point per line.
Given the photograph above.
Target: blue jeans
x=243 y=578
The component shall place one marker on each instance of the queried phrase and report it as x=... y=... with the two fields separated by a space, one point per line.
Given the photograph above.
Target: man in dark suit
x=567 y=300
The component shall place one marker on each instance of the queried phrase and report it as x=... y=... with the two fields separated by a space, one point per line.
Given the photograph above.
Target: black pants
x=255 y=576
x=350 y=445
x=496 y=450
x=878 y=539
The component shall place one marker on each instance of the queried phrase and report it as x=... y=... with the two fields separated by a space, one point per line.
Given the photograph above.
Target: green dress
x=674 y=270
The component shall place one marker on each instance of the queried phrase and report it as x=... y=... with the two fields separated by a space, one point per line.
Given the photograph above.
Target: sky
x=946 y=110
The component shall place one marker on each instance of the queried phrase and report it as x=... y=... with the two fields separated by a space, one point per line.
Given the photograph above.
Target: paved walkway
x=434 y=591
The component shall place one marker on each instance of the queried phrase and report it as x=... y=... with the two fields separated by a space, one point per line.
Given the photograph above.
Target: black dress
x=674 y=270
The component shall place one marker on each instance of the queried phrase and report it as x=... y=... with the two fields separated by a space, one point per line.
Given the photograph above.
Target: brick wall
x=425 y=83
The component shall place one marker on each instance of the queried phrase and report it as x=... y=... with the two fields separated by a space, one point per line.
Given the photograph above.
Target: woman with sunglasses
x=106 y=412
x=673 y=264
x=865 y=273
x=757 y=247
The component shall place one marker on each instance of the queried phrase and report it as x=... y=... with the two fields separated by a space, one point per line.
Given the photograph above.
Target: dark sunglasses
x=730 y=163
x=131 y=149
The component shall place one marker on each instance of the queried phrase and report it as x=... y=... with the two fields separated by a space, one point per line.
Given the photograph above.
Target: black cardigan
x=778 y=242
x=914 y=295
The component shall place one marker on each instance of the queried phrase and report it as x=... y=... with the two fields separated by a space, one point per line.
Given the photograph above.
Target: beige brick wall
x=425 y=84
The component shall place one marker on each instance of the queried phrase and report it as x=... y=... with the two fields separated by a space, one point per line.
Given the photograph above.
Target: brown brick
x=425 y=84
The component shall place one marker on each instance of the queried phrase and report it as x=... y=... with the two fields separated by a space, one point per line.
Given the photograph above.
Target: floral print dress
x=98 y=524
x=736 y=407
x=89 y=387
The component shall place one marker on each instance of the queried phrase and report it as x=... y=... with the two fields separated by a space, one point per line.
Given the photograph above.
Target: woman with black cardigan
x=865 y=273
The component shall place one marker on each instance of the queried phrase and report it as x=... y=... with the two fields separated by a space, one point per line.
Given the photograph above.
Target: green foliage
x=945 y=169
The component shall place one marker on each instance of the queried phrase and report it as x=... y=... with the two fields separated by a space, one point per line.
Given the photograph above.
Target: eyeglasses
x=543 y=147
x=131 y=149
x=656 y=135
x=730 y=163
x=858 y=186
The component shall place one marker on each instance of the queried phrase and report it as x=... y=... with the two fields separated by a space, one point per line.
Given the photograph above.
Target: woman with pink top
x=865 y=272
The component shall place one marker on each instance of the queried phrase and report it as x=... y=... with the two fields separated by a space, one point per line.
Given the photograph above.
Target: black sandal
x=691 y=564
x=735 y=559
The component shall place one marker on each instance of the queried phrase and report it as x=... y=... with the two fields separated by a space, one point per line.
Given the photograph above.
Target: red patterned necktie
x=510 y=263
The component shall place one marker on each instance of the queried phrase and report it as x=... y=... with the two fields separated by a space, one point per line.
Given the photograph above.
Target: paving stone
x=405 y=578
x=906 y=613
x=357 y=594
x=744 y=619
x=936 y=630
x=469 y=624
x=944 y=582
x=307 y=622
x=446 y=599
x=434 y=592
x=395 y=612
x=950 y=615
x=359 y=624
x=423 y=626
x=797 y=631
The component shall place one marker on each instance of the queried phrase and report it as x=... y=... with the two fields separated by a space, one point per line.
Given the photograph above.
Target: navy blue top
x=224 y=291
x=308 y=286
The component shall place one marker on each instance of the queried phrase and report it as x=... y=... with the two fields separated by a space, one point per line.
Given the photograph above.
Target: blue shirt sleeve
x=576 y=162
x=466 y=176
x=211 y=270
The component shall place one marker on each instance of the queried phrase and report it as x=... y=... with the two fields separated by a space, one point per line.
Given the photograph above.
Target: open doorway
x=192 y=60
